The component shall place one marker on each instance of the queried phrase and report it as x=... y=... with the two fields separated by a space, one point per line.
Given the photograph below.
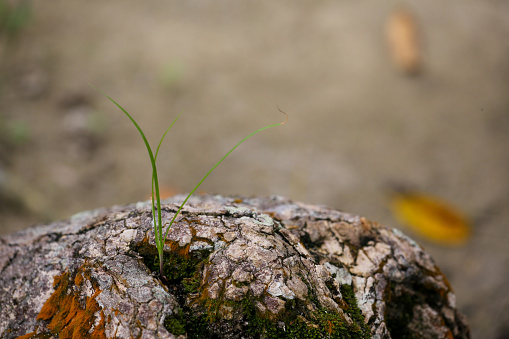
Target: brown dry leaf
x=402 y=36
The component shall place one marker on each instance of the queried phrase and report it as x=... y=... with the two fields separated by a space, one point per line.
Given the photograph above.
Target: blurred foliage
x=13 y=132
x=97 y=123
x=14 y=16
x=171 y=73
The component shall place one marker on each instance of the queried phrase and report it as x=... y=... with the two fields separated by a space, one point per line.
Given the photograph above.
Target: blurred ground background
x=357 y=123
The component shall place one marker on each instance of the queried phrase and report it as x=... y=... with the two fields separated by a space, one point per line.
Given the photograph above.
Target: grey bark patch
x=239 y=268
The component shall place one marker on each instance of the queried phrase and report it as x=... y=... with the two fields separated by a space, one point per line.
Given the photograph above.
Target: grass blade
x=160 y=228
x=155 y=193
x=217 y=164
x=157 y=223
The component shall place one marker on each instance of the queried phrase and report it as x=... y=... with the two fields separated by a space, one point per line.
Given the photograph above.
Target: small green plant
x=156 y=199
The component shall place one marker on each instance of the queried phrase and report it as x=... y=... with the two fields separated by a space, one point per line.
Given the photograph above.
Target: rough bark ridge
x=235 y=268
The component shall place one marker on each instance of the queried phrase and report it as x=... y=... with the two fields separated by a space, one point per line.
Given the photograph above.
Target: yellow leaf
x=431 y=218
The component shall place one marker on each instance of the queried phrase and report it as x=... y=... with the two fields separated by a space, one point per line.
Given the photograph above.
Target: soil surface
x=358 y=123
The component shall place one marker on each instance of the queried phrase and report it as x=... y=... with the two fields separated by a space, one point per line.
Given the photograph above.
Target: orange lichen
x=28 y=335
x=50 y=308
x=329 y=327
x=78 y=279
x=64 y=311
x=181 y=251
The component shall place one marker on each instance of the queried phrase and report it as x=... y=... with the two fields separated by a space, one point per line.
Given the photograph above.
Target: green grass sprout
x=155 y=195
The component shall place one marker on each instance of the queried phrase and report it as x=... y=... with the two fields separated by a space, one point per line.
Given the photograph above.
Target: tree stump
x=235 y=268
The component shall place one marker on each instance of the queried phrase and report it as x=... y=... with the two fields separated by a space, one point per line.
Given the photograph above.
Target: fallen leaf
x=402 y=36
x=431 y=218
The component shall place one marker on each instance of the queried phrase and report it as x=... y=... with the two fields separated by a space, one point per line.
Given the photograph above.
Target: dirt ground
x=357 y=125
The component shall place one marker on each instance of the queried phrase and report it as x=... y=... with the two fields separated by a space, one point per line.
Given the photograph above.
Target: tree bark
x=234 y=268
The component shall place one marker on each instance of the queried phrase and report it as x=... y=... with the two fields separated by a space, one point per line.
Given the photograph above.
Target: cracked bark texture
x=294 y=263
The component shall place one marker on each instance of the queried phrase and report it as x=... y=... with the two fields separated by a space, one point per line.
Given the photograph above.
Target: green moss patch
x=199 y=316
x=207 y=320
x=182 y=268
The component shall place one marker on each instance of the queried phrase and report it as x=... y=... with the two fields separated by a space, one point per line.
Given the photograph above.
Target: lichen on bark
x=235 y=267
